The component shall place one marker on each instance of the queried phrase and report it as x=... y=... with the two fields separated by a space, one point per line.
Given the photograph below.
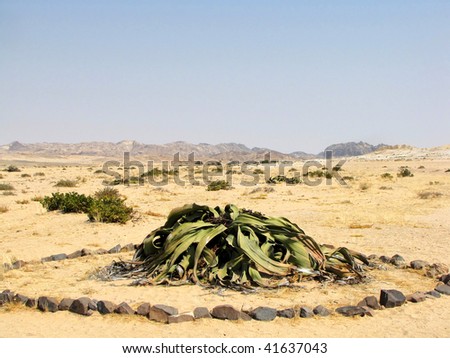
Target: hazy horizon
x=290 y=76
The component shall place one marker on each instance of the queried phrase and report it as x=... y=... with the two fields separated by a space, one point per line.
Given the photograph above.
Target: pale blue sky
x=288 y=75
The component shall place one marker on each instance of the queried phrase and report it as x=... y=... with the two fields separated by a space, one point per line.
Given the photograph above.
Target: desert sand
x=371 y=215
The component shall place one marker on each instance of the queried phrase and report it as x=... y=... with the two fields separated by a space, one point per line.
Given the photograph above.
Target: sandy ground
x=371 y=215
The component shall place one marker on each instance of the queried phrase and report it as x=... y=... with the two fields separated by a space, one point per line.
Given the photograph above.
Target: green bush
x=105 y=206
x=218 y=185
x=67 y=202
x=109 y=210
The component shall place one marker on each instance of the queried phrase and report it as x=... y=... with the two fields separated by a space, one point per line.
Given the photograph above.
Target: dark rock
x=65 y=304
x=7 y=266
x=416 y=297
x=436 y=270
x=372 y=257
x=128 y=247
x=350 y=311
x=18 y=264
x=106 y=307
x=321 y=311
x=286 y=313
x=124 y=308
x=75 y=254
x=86 y=252
x=58 y=257
x=161 y=313
x=18 y=298
x=201 y=312
x=101 y=252
x=47 y=304
x=6 y=297
x=392 y=298
x=444 y=289
x=368 y=311
x=31 y=303
x=143 y=309
x=434 y=294
x=398 y=261
x=445 y=279
x=306 y=312
x=263 y=314
x=370 y=301
x=225 y=312
x=114 y=250
x=418 y=264
x=81 y=306
x=46 y=259
x=184 y=317
x=385 y=259
x=245 y=316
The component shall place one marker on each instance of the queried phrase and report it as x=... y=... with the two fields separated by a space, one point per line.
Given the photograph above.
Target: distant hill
x=222 y=151
x=351 y=149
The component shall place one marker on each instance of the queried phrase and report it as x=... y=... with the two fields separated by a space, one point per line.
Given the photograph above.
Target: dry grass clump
x=388 y=176
x=37 y=198
x=385 y=187
x=1 y=176
x=39 y=174
x=65 y=183
x=429 y=195
x=364 y=186
x=360 y=226
x=22 y=201
x=12 y=169
x=25 y=175
x=8 y=193
x=6 y=186
x=155 y=214
x=3 y=209
x=266 y=189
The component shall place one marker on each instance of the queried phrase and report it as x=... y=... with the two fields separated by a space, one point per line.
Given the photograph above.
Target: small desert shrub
x=218 y=185
x=67 y=202
x=447 y=171
x=65 y=183
x=8 y=193
x=109 y=210
x=283 y=179
x=107 y=193
x=106 y=206
x=37 y=198
x=1 y=176
x=12 y=169
x=387 y=176
x=5 y=186
x=404 y=172
x=429 y=195
x=364 y=186
x=39 y=174
x=336 y=168
x=258 y=171
x=316 y=173
x=385 y=188
x=349 y=178
x=328 y=175
x=3 y=209
x=22 y=201
x=99 y=171
x=266 y=189
x=421 y=167
x=25 y=175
